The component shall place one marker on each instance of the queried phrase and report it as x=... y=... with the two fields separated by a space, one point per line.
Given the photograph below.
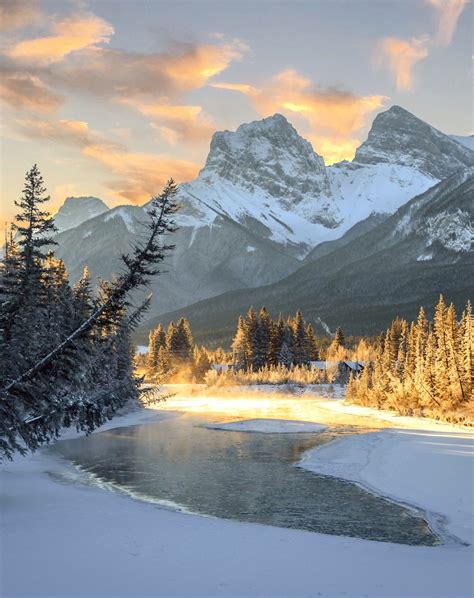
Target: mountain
x=465 y=140
x=424 y=249
x=76 y=210
x=265 y=201
x=209 y=259
x=398 y=137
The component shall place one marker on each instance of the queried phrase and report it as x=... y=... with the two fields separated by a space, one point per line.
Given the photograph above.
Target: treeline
x=422 y=368
x=261 y=342
x=66 y=356
x=173 y=357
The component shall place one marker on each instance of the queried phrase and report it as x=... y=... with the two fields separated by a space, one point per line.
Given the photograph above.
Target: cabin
x=339 y=371
x=221 y=367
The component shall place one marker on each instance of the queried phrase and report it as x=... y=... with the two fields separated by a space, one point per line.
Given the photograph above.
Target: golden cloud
x=402 y=55
x=69 y=35
x=334 y=149
x=447 y=13
x=175 y=123
x=332 y=115
x=15 y=14
x=27 y=92
x=72 y=132
x=138 y=175
x=117 y=73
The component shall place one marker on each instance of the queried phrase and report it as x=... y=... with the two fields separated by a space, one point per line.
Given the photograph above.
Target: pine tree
x=301 y=347
x=277 y=340
x=313 y=346
x=250 y=330
x=59 y=385
x=185 y=341
x=239 y=346
x=261 y=345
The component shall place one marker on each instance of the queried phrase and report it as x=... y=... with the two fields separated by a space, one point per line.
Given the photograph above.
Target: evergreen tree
x=250 y=331
x=239 y=346
x=301 y=348
x=277 y=340
x=73 y=357
x=313 y=346
x=261 y=345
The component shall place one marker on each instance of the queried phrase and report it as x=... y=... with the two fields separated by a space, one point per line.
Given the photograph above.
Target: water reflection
x=238 y=475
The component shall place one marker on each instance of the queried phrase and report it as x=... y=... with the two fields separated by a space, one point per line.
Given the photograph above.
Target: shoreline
x=136 y=543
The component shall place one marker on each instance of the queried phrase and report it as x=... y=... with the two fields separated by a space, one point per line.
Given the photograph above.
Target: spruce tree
x=301 y=348
x=239 y=346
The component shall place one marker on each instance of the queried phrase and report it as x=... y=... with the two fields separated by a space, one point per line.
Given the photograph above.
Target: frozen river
x=252 y=477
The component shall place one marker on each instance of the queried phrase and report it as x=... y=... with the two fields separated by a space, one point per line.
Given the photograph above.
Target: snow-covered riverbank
x=61 y=538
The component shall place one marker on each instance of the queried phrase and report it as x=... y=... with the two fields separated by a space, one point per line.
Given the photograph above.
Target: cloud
x=334 y=149
x=24 y=91
x=71 y=132
x=121 y=74
x=140 y=175
x=188 y=124
x=16 y=14
x=447 y=14
x=137 y=175
x=402 y=55
x=331 y=115
x=71 y=34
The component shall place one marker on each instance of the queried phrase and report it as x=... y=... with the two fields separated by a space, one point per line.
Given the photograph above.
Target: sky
x=110 y=98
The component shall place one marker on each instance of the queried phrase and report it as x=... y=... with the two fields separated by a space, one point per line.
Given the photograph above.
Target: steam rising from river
x=264 y=402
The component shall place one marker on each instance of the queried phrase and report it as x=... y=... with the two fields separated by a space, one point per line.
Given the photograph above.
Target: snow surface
x=123 y=213
x=70 y=539
x=440 y=465
x=269 y=426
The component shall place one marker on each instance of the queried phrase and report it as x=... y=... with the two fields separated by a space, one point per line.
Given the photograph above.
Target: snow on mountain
x=124 y=213
x=465 y=140
x=76 y=210
x=267 y=178
x=398 y=137
x=265 y=200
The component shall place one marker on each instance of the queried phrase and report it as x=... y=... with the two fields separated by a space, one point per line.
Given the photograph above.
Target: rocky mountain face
x=424 y=249
x=398 y=137
x=76 y=210
x=264 y=202
x=465 y=140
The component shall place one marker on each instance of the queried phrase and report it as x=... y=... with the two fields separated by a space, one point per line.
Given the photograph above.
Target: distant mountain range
x=266 y=212
x=422 y=250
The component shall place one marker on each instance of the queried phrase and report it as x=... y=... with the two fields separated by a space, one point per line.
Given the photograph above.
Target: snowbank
x=429 y=470
x=269 y=426
x=65 y=539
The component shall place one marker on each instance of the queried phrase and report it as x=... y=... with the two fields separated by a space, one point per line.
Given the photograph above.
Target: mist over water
x=252 y=477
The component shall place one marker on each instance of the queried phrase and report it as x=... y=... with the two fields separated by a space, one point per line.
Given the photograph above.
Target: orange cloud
x=121 y=74
x=140 y=175
x=16 y=14
x=69 y=35
x=200 y=63
x=332 y=115
x=402 y=55
x=175 y=123
x=72 y=132
x=25 y=91
x=334 y=149
x=137 y=175
x=447 y=13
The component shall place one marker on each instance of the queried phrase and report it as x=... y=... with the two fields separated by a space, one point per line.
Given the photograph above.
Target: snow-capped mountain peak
x=268 y=155
x=76 y=210
x=399 y=137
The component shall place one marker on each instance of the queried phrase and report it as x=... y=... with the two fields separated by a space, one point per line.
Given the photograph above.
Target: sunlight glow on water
x=238 y=475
